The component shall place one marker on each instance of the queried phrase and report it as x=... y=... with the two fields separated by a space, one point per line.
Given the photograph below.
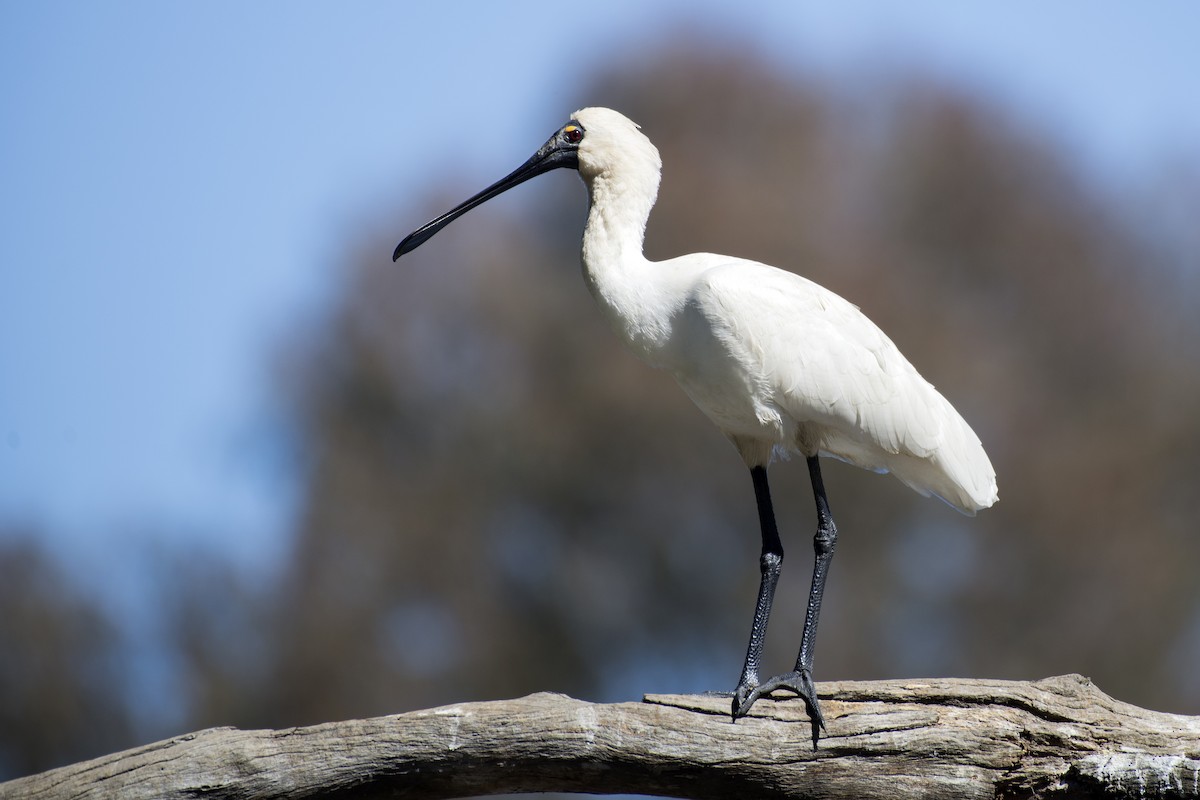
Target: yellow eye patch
x=573 y=133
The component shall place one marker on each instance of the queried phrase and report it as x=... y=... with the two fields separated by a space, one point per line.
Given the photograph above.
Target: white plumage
x=777 y=362
x=773 y=359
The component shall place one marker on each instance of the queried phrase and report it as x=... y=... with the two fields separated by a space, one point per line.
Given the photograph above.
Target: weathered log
x=1055 y=738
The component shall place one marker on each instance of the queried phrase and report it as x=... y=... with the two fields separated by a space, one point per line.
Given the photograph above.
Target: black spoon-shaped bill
x=560 y=151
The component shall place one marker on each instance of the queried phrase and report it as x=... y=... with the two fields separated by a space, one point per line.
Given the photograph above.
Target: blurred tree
x=501 y=500
x=61 y=679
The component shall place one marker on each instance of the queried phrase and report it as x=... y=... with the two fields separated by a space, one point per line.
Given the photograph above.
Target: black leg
x=769 y=564
x=800 y=679
x=823 y=544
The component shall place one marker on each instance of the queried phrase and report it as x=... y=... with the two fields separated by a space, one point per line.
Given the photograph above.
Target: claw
x=799 y=682
x=743 y=697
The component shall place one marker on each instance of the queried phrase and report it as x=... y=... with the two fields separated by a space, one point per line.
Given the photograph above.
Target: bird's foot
x=744 y=696
x=799 y=682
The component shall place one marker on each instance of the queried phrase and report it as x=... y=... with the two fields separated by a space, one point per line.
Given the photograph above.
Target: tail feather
x=958 y=471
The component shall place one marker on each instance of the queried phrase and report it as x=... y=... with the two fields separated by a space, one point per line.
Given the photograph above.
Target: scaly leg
x=769 y=565
x=800 y=679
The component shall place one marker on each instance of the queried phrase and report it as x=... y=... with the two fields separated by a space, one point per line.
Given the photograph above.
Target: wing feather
x=823 y=363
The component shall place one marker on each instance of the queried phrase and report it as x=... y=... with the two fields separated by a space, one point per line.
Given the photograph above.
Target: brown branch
x=1059 y=737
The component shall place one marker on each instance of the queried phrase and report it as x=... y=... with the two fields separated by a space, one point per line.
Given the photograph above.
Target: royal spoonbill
x=778 y=363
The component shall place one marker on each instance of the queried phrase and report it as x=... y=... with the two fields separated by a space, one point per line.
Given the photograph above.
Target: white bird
x=778 y=363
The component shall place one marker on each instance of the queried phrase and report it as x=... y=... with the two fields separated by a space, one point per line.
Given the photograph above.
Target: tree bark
x=1055 y=738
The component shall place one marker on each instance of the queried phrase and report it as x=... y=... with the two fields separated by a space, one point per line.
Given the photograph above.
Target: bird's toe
x=743 y=697
x=800 y=682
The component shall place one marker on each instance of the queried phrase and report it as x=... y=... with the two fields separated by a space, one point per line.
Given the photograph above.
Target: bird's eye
x=573 y=134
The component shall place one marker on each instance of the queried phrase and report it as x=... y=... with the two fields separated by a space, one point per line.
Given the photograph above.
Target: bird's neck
x=618 y=275
x=617 y=213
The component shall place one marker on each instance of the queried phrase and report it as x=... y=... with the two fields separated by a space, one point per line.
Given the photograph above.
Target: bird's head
x=612 y=144
x=598 y=142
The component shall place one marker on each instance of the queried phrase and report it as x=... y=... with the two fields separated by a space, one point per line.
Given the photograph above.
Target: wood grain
x=1055 y=738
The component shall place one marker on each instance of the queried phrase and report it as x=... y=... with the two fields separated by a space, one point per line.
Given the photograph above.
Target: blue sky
x=178 y=181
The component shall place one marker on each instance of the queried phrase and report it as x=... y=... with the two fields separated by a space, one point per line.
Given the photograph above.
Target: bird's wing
x=822 y=360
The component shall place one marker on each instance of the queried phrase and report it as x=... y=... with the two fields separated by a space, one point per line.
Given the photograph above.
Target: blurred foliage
x=496 y=499
x=60 y=666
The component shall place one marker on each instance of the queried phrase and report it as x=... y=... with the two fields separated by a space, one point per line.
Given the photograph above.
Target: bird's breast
x=721 y=376
x=664 y=314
